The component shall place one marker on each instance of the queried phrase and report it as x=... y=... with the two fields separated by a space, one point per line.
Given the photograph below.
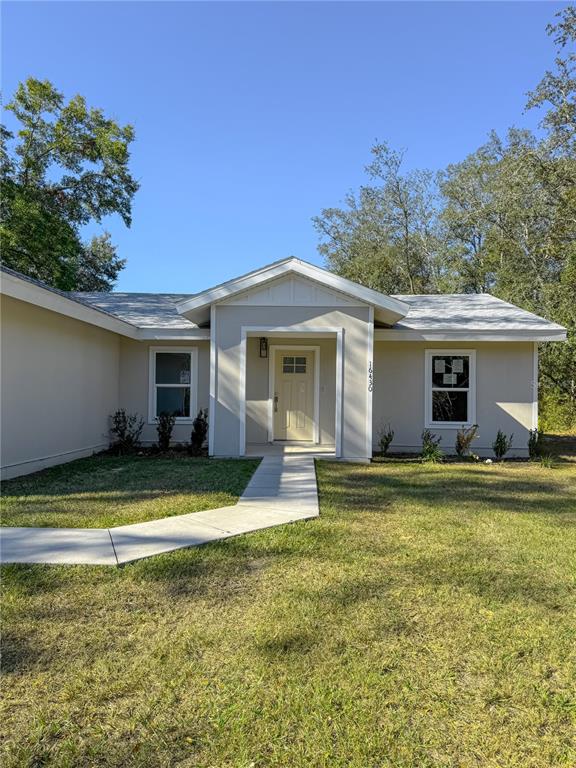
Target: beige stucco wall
x=134 y=382
x=60 y=381
x=257 y=387
x=228 y=334
x=504 y=393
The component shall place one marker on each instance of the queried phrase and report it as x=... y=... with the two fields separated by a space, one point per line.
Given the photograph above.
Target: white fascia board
x=166 y=334
x=398 y=309
x=555 y=333
x=16 y=288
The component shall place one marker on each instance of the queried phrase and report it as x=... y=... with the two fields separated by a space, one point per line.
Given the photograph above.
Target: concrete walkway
x=282 y=490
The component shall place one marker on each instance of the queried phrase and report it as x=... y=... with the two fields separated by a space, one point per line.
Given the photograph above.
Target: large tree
x=503 y=220
x=65 y=166
x=387 y=235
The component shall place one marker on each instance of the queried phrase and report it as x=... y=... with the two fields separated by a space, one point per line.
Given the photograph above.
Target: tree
x=66 y=166
x=503 y=220
x=386 y=237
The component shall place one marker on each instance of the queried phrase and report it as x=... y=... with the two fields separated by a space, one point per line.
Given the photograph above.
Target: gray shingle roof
x=468 y=311
x=145 y=310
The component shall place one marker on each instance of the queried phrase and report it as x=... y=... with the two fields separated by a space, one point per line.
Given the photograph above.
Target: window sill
x=448 y=425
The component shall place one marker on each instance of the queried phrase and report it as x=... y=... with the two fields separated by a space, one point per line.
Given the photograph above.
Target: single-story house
x=289 y=352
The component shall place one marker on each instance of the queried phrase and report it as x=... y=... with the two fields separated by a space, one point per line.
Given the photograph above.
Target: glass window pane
x=451 y=371
x=449 y=406
x=288 y=365
x=175 y=400
x=172 y=368
x=300 y=361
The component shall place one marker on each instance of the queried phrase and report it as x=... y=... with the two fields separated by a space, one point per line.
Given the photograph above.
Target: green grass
x=105 y=491
x=426 y=620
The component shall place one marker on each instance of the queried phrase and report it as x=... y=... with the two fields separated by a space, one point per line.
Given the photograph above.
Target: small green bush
x=385 y=437
x=431 y=451
x=464 y=438
x=547 y=461
x=199 y=432
x=165 y=427
x=502 y=445
x=126 y=429
x=535 y=442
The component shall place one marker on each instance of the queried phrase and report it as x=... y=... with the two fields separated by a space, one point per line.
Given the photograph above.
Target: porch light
x=263 y=347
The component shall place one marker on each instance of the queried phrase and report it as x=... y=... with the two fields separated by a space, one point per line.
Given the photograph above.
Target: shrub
x=547 y=461
x=385 y=437
x=126 y=430
x=464 y=438
x=199 y=432
x=431 y=451
x=535 y=443
x=165 y=426
x=501 y=445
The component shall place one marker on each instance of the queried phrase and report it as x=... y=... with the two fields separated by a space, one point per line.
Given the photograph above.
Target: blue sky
x=252 y=117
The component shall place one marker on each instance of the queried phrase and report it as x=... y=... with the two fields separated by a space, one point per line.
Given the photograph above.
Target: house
x=289 y=352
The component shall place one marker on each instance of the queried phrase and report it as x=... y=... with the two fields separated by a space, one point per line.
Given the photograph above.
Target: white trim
x=339 y=388
x=369 y=388
x=272 y=387
x=296 y=331
x=428 y=422
x=193 y=352
x=395 y=307
x=535 y=386
x=242 y=378
x=55 y=301
x=212 y=400
x=554 y=333
x=177 y=334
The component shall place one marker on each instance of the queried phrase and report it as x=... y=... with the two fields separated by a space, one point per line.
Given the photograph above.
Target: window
x=450 y=387
x=173 y=382
x=293 y=364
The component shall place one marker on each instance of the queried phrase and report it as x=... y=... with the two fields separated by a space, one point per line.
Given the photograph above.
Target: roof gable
x=387 y=309
x=292 y=290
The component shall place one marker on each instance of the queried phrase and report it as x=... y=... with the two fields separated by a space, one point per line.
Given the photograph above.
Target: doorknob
x=275 y=403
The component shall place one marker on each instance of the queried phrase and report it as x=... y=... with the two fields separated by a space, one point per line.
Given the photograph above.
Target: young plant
x=165 y=426
x=535 y=443
x=431 y=451
x=199 y=432
x=464 y=438
x=502 y=445
x=385 y=437
x=126 y=430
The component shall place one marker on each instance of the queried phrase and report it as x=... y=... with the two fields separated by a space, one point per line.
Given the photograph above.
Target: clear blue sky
x=252 y=117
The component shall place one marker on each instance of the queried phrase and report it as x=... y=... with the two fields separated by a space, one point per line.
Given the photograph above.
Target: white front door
x=294 y=395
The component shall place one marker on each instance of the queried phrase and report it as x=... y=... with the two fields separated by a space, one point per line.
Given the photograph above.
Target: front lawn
x=425 y=620
x=104 y=491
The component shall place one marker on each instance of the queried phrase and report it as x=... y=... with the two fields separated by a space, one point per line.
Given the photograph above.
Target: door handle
x=275 y=403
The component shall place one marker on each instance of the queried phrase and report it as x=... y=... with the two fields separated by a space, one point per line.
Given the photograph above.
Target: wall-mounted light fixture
x=263 y=347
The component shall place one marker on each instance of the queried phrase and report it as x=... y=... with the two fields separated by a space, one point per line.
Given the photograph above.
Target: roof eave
x=554 y=333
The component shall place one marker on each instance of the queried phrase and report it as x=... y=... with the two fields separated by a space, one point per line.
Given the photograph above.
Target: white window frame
x=428 y=388
x=152 y=386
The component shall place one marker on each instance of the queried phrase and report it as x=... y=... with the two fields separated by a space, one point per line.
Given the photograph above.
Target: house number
x=370 y=377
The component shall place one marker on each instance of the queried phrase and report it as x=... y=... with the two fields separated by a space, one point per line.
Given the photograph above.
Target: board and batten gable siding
x=60 y=383
x=505 y=393
x=135 y=382
x=229 y=321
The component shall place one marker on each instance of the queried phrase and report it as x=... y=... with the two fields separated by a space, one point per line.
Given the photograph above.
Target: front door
x=294 y=395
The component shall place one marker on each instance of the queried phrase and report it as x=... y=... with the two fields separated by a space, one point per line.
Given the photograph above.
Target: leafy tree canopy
x=66 y=166
x=503 y=220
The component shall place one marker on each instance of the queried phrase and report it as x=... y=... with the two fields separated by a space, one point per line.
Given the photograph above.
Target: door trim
x=272 y=387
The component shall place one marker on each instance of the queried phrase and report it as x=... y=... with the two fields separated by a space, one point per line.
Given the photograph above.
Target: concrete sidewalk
x=282 y=490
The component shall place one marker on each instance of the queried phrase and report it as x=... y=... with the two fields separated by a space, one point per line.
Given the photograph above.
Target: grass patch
x=425 y=620
x=104 y=491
